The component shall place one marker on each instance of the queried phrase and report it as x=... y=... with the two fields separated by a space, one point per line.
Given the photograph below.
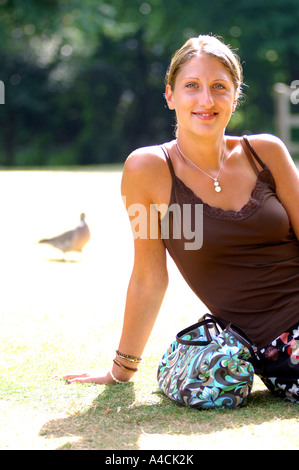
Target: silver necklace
x=217 y=186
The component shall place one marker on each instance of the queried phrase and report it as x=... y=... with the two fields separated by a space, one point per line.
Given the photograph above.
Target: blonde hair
x=211 y=46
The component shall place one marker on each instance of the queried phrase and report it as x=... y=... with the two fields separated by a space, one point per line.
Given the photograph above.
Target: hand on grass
x=95 y=377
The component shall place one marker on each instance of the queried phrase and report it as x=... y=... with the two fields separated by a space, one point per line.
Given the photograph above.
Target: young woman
x=246 y=270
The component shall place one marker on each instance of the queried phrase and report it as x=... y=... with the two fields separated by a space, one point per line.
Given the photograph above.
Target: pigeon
x=72 y=240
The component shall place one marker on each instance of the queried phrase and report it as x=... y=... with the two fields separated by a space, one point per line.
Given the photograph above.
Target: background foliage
x=84 y=80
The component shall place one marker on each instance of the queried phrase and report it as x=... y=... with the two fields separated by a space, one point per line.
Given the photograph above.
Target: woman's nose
x=205 y=97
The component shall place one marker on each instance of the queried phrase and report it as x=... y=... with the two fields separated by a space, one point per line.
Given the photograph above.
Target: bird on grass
x=72 y=240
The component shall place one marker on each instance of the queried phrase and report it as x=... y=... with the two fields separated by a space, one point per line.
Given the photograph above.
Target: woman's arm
x=149 y=278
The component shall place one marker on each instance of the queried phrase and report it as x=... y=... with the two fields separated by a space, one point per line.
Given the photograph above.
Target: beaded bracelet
x=128 y=357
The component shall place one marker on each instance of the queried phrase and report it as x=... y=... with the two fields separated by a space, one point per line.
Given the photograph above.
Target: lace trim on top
x=264 y=180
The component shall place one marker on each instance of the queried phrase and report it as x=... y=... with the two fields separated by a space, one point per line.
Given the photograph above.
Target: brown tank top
x=246 y=270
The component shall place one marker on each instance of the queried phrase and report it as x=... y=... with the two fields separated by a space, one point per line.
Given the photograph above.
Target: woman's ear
x=169 y=97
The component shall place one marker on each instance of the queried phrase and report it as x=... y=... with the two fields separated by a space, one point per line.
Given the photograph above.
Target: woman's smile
x=205 y=116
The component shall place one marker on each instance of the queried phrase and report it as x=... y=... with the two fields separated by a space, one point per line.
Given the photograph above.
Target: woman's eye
x=219 y=86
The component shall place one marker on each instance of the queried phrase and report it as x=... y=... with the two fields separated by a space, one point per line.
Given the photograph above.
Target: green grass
x=57 y=317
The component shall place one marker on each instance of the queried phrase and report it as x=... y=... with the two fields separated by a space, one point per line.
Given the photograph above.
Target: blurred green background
x=84 y=80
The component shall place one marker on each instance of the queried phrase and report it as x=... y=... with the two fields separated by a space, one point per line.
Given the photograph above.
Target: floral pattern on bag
x=215 y=375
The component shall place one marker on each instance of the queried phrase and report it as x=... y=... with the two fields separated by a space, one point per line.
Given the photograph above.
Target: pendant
x=217 y=186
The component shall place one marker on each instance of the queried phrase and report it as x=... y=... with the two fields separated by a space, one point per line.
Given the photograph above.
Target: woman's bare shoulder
x=145 y=158
x=146 y=173
x=271 y=150
x=147 y=164
x=274 y=153
x=268 y=146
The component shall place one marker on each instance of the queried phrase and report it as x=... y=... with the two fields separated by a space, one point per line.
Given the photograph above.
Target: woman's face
x=203 y=98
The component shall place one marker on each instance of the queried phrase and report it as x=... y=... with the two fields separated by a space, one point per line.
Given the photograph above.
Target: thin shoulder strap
x=168 y=159
x=249 y=150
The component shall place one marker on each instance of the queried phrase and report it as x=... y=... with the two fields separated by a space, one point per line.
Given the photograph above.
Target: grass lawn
x=59 y=316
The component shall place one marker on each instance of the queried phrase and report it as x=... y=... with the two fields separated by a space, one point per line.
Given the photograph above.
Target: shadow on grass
x=116 y=421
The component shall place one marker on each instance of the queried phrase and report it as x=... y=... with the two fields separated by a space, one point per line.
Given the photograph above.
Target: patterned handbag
x=208 y=366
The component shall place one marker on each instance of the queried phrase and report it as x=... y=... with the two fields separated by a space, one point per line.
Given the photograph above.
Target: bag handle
x=256 y=356
x=208 y=322
x=240 y=336
x=205 y=323
x=211 y=317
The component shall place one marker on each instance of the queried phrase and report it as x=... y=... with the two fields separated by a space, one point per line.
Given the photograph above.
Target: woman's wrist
x=124 y=367
x=115 y=379
x=119 y=375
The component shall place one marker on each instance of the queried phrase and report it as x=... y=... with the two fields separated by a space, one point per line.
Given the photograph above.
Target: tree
x=84 y=81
